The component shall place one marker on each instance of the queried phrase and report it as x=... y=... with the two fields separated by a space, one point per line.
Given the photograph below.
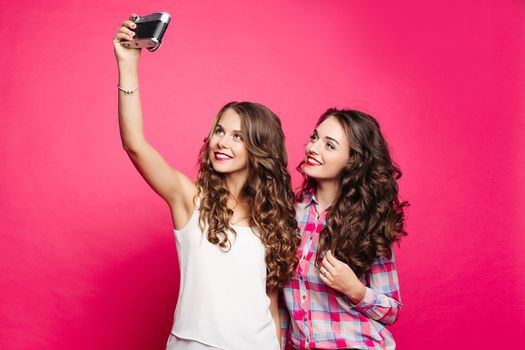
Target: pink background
x=87 y=252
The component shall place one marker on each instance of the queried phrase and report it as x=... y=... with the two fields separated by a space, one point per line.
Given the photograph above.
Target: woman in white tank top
x=235 y=227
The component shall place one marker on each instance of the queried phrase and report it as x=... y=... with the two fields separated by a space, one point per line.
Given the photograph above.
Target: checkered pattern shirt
x=319 y=317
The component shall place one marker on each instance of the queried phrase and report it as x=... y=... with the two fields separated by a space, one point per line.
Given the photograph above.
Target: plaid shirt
x=320 y=317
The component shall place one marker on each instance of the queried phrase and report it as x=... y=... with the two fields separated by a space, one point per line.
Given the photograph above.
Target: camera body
x=149 y=31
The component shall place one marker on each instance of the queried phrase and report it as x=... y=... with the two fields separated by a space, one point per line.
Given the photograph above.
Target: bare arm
x=175 y=188
x=274 y=310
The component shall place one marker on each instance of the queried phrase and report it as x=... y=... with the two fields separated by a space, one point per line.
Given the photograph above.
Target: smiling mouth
x=221 y=156
x=311 y=161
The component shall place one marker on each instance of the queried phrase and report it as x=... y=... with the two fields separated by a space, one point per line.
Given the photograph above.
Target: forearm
x=379 y=307
x=382 y=300
x=274 y=310
x=356 y=292
x=376 y=295
x=277 y=321
x=129 y=107
x=175 y=188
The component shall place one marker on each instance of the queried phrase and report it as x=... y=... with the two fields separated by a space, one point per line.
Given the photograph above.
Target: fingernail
x=132 y=33
x=133 y=25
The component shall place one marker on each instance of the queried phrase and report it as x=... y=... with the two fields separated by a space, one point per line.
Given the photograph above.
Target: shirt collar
x=309 y=199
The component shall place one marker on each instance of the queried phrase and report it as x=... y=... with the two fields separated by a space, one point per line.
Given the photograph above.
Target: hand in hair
x=339 y=276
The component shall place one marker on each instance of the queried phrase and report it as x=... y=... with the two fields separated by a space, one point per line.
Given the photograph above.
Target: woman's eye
x=313 y=137
x=237 y=137
x=330 y=146
x=219 y=131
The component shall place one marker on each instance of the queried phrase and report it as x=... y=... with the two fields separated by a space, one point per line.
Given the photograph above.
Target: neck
x=235 y=182
x=326 y=193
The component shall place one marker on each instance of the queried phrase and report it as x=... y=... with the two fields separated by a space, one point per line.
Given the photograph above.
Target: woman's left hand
x=339 y=276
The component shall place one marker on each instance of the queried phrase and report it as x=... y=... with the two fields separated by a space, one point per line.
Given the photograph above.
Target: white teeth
x=222 y=156
x=312 y=160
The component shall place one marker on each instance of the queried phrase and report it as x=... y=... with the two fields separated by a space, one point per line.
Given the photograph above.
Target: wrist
x=356 y=293
x=128 y=66
x=128 y=76
x=127 y=91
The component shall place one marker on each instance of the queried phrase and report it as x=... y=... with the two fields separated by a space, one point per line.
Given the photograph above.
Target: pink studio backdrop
x=88 y=257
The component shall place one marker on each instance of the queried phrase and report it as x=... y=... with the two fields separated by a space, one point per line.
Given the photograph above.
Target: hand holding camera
x=140 y=32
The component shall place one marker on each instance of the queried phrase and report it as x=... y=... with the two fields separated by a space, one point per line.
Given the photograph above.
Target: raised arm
x=175 y=188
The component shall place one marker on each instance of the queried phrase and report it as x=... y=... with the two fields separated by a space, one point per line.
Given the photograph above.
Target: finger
x=331 y=258
x=324 y=272
x=328 y=268
x=326 y=263
x=126 y=31
x=325 y=279
x=122 y=36
x=129 y=24
x=131 y=20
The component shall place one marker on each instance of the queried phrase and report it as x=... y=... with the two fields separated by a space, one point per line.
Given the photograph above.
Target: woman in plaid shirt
x=345 y=289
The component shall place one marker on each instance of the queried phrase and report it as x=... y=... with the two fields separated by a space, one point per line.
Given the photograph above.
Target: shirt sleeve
x=382 y=301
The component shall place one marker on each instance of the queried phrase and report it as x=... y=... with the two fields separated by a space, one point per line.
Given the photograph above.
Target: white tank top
x=222 y=296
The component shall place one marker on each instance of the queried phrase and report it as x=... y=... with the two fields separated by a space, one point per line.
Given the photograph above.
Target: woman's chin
x=224 y=168
x=220 y=168
x=312 y=172
x=317 y=174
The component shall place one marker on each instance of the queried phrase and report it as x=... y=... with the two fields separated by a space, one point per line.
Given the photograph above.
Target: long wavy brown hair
x=367 y=215
x=267 y=191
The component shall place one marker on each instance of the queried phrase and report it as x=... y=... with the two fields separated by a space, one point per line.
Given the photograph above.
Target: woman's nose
x=223 y=142
x=313 y=147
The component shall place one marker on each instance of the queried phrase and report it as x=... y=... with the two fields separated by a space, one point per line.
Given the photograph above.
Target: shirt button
x=305 y=318
x=304 y=297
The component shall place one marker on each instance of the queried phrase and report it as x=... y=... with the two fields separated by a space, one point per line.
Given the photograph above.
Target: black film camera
x=149 y=31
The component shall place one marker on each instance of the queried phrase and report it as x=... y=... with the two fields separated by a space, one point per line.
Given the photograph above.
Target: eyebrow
x=222 y=127
x=332 y=139
x=326 y=137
